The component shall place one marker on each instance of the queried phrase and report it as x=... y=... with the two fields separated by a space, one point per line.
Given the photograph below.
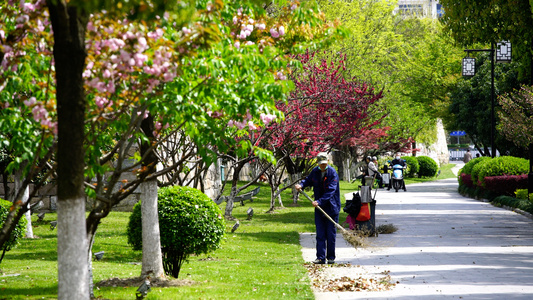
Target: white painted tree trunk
x=72 y=250
x=152 y=261
x=29 y=227
x=295 y=193
x=25 y=199
x=346 y=169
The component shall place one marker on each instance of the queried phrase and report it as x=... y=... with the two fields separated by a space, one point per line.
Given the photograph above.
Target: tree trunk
x=152 y=261
x=69 y=24
x=346 y=169
x=295 y=193
x=72 y=249
x=25 y=199
x=229 y=204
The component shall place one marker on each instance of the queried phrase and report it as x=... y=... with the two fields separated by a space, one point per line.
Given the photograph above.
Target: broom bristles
x=353 y=238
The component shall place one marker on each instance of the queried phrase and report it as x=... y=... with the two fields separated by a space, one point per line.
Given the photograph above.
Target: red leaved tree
x=324 y=111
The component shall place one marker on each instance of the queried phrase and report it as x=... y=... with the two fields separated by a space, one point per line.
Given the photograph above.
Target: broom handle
x=325 y=214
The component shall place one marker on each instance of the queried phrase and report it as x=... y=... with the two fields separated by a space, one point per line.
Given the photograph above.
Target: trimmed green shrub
x=522 y=194
x=503 y=165
x=515 y=203
x=428 y=167
x=17 y=233
x=190 y=223
x=413 y=167
x=467 y=169
x=476 y=169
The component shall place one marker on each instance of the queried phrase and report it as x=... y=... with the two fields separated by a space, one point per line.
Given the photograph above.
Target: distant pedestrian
x=373 y=170
x=467 y=157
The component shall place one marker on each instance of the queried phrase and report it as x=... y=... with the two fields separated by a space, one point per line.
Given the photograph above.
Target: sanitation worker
x=325 y=182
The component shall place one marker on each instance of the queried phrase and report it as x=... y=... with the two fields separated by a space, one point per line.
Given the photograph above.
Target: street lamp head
x=503 y=51
x=469 y=66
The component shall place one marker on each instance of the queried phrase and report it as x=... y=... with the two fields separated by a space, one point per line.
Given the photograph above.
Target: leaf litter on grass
x=137 y=281
x=323 y=281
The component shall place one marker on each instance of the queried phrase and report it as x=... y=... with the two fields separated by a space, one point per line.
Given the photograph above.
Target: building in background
x=422 y=8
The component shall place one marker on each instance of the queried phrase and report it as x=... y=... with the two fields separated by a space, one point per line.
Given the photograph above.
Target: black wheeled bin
x=368 y=227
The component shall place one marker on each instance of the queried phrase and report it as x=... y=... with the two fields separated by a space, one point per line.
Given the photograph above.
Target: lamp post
x=503 y=54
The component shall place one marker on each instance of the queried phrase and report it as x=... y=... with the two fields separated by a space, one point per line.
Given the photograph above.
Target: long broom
x=353 y=239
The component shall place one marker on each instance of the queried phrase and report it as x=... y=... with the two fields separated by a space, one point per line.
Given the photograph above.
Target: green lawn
x=261 y=260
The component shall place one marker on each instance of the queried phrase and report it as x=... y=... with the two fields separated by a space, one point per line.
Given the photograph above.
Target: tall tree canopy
x=195 y=67
x=408 y=57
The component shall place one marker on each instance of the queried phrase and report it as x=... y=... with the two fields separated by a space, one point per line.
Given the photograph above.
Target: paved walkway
x=447 y=247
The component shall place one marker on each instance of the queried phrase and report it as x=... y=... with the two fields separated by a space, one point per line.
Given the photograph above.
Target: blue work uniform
x=326 y=193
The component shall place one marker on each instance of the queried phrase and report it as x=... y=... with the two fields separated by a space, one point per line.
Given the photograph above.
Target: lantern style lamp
x=469 y=66
x=503 y=51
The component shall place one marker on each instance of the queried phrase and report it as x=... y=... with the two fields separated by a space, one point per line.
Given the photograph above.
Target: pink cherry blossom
x=156 y=34
x=261 y=26
x=274 y=33
x=237 y=44
x=100 y=101
x=30 y=101
x=28 y=7
x=267 y=118
x=144 y=113
x=281 y=30
x=251 y=125
x=23 y=19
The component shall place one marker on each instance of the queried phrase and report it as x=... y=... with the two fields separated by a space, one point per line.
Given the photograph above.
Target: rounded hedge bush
x=467 y=169
x=503 y=165
x=189 y=223
x=413 y=167
x=17 y=233
x=428 y=167
x=477 y=168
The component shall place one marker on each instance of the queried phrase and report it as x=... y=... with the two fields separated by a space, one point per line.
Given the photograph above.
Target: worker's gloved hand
x=298 y=187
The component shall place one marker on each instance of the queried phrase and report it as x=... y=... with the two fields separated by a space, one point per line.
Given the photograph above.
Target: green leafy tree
x=95 y=113
x=516 y=121
x=409 y=57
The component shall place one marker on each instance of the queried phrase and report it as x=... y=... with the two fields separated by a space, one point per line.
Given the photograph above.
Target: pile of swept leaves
x=323 y=282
